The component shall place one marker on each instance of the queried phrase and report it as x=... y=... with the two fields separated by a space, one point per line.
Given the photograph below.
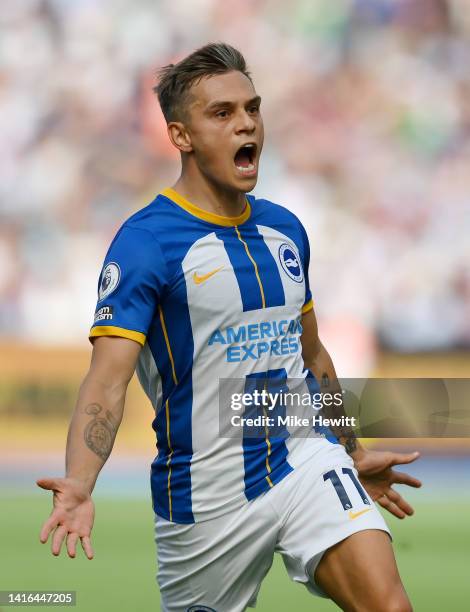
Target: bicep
x=114 y=360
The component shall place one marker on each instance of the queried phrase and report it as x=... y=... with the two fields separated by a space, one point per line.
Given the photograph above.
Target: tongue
x=242 y=158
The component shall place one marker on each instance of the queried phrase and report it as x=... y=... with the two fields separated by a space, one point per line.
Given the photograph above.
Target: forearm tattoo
x=349 y=444
x=100 y=432
x=325 y=380
x=347 y=437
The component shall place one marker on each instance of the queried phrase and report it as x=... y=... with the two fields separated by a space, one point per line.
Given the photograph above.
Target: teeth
x=248 y=168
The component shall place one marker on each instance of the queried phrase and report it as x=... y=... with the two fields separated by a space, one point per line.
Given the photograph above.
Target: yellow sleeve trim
x=111 y=330
x=307 y=307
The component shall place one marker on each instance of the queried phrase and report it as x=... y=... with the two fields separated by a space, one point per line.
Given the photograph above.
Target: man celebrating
x=209 y=283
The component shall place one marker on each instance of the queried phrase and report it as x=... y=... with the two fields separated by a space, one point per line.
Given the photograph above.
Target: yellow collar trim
x=204 y=214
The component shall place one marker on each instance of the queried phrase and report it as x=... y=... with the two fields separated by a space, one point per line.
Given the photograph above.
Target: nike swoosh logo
x=198 y=279
x=354 y=515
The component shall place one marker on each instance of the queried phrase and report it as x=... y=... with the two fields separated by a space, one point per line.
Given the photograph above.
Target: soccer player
x=209 y=283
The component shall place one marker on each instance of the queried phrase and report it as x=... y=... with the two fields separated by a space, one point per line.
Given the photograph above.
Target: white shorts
x=219 y=564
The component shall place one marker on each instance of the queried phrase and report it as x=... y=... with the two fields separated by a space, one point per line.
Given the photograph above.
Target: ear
x=179 y=136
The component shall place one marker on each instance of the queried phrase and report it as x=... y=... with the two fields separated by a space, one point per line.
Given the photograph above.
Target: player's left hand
x=376 y=474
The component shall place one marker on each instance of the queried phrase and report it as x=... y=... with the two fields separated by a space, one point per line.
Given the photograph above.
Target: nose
x=245 y=123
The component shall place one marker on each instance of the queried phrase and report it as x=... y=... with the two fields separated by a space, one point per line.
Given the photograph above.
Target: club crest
x=290 y=263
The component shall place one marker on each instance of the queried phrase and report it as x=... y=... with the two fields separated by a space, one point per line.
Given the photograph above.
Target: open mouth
x=245 y=158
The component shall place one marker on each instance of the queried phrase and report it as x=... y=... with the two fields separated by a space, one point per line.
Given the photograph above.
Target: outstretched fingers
x=401 y=503
x=72 y=539
x=389 y=505
x=58 y=539
x=402 y=458
x=87 y=547
x=47 y=527
x=406 y=479
x=50 y=484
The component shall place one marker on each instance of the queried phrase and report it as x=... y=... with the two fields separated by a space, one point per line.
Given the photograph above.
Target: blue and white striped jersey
x=209 y=298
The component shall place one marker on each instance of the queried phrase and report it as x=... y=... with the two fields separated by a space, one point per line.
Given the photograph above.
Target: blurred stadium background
x=366 y=106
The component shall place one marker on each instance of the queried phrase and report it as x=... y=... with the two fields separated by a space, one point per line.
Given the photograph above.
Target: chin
x=251 y=185
x=245 y=185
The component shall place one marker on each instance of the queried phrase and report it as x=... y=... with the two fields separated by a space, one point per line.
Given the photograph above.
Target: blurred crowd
x=366 y=106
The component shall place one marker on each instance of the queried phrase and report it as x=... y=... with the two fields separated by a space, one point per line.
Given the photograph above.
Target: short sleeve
x=308 y=302
x=131 y=283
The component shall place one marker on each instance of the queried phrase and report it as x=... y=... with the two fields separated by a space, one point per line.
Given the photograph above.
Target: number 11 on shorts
x=341 y=491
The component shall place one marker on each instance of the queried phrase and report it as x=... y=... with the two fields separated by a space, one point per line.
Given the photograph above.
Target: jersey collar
x=194 y=210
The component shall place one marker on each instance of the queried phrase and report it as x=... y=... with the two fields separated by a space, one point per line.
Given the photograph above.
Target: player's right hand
x=71 y=518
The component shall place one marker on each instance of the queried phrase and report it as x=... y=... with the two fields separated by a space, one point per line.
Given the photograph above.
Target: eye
x=254 y=109
x=222 y=114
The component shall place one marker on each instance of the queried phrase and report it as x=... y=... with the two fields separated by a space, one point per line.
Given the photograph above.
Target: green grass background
x=432 y=551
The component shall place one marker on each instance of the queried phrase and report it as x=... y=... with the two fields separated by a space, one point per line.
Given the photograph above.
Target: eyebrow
x=219 y=103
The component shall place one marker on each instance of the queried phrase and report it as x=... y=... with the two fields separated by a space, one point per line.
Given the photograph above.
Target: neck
x=209 y=196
